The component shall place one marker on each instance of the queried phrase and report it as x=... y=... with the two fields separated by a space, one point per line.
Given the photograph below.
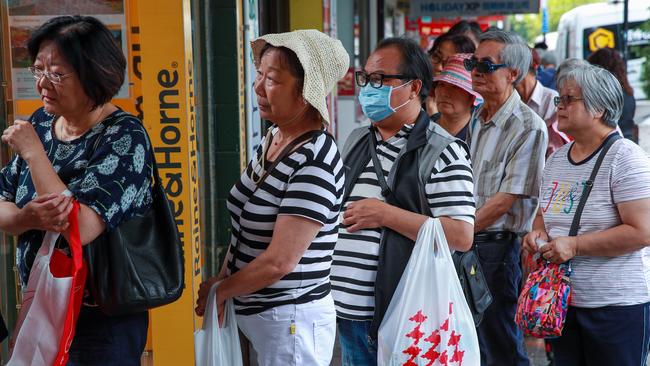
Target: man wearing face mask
x=400 y=171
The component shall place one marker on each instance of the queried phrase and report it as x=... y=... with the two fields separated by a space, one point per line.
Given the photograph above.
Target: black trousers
x=500 y=339
x=102 y=340
x=3 y=329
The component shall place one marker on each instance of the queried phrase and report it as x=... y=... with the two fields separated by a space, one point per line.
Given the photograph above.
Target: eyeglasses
x=565 y=100
x=437 y=58
x=376 y=79
x=484 y=67
x=53 y=77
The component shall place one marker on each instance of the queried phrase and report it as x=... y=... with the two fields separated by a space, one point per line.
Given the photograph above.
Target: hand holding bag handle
x=467 y=265
x=47 y=320
x=428 y=316
x=543 y=313
x=215 y=345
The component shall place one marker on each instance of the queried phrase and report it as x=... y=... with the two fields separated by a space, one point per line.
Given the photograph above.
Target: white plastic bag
x=428 y=321
x=51 y=302
x=214 y=346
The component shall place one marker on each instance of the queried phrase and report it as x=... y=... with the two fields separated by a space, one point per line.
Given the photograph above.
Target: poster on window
x=25 y=16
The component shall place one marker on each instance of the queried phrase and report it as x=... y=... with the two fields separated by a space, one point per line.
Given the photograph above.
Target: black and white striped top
x=449 y=192
x=309 y=182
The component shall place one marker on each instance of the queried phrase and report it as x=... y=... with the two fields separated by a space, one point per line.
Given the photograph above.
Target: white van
x=587 y=28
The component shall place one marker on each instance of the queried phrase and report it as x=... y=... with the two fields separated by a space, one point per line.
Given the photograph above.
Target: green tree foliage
x=529 y=26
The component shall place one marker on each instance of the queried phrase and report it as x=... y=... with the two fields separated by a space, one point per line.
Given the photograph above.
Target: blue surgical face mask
x=375 y=102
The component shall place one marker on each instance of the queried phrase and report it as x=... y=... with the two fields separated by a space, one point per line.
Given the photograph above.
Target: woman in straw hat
x=454 y=96
x=284 y=208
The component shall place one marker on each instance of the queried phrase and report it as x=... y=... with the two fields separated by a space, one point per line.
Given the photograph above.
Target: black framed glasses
x=484 y=67
x=376 y=79
x=53 y=77
x=565 y=100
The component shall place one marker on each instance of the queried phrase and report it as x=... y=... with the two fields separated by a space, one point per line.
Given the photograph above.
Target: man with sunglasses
x=385 y=164
x=507 y=145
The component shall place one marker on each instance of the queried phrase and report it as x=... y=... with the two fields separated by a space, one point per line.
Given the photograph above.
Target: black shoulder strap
x=302 y=139
x=156 y=177
x=286 y=151
x=379 y=171
x=589 y=184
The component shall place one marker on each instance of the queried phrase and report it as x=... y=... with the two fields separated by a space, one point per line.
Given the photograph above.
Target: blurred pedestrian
x=607 y=322
x=507 y=146
x=540 y=99
x=546 y=74
x=382 y=214
x=80 y=142
x=611 y=60
x=284 y=209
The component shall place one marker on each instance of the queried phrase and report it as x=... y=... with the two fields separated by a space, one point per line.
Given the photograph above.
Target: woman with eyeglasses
x=444 y=47
x=81 y=145
x=607 y=322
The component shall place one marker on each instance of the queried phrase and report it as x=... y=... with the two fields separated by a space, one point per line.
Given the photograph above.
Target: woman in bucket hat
x=443 y=48
x=454 y=96
x=284 y=208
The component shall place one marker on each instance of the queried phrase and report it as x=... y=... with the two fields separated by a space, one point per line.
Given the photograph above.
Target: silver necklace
x=61 y=130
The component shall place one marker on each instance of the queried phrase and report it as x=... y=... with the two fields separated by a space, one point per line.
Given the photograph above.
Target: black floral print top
x=109 y=169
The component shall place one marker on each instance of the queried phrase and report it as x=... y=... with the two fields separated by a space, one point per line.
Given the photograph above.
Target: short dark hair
x=462 y=43
x=89 y=47
x=464 y=27
x=290 y=60
x=414 y=63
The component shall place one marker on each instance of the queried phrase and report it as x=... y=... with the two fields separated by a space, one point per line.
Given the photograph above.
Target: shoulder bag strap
x=302 y=139
x=379 y=171
x=589 y=184
x=156 y=177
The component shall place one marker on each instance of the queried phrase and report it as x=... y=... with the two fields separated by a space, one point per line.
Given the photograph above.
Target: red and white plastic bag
x=51 y=302
x=428 y=321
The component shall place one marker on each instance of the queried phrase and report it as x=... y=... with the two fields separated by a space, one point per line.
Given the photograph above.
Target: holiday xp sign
x=454 y=8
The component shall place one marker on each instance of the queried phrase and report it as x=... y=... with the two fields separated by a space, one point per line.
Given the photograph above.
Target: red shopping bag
x=51 y=302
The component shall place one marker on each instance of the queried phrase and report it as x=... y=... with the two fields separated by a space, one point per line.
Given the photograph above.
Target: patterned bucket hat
x=454 y=73
x=323 y=58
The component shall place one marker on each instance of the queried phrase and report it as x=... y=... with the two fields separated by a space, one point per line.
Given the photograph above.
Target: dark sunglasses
x=484 y=67
x=565 y=100
x=376 y=79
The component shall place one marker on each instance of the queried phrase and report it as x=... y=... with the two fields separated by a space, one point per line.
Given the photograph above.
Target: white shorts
x=293 y=335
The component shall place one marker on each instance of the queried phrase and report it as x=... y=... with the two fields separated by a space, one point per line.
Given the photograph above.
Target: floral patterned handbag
x=545 y=298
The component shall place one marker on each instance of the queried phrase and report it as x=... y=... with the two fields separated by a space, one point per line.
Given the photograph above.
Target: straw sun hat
x=323 y=58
